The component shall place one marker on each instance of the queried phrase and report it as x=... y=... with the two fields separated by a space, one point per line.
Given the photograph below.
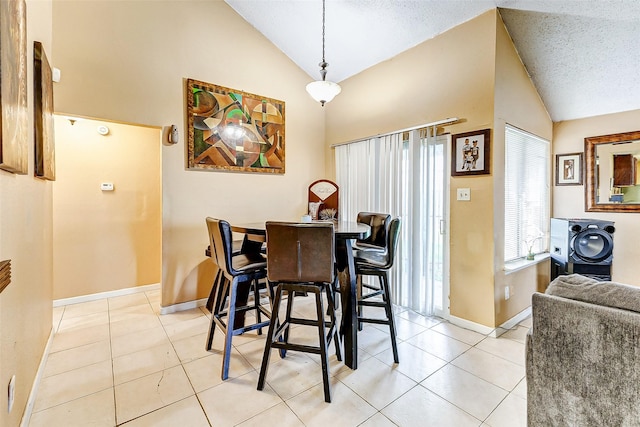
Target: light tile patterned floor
x=118 y=362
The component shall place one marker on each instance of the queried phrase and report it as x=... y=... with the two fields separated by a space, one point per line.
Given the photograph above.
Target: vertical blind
x=392 y=174
x=527 y=194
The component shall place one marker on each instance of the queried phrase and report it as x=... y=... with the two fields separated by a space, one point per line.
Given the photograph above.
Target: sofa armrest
x=583 y=364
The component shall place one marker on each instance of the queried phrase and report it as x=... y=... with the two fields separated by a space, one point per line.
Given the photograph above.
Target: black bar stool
x=300 y=259
x=378 y=263
x=237 y=275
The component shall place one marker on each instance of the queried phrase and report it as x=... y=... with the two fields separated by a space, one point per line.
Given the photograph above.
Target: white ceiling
x=583 y=55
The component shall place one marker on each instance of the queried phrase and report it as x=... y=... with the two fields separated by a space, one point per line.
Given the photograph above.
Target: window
x=527 y=194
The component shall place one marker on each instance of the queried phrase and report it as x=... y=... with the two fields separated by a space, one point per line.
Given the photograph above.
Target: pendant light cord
x=323 y=19
x=323 y=64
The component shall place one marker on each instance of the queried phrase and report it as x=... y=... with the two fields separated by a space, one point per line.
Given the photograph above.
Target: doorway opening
x=107 y=206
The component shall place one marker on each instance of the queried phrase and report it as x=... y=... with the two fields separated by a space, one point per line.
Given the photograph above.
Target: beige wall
x=448 y=76
x=472 y=72
x=451 y=75
x=568 y=201
x=106 y=240
x=26 y=239
x=454 y=75
x=127 y=61
x=518 y=104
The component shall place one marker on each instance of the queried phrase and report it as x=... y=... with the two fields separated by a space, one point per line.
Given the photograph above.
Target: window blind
x=527 y=194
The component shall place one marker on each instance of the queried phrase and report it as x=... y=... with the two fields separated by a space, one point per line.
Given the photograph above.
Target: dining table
x=345 y=231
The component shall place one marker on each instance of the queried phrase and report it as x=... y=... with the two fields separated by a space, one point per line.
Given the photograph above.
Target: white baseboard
x=467 y=324
x=183 y=306
x=108 y=294
x=511 y=323
x=28 y=410
x=486 y=330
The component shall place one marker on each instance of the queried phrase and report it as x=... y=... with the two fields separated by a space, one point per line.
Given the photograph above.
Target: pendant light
x=323 y=90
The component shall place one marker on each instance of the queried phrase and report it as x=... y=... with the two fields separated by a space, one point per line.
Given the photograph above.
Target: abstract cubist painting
x=233 y=130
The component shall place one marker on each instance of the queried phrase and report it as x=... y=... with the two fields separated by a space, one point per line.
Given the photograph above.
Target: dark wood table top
x=342 y=229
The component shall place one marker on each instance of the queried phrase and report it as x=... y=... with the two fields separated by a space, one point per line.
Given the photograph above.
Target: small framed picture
x=470 y=153
x=569 y=169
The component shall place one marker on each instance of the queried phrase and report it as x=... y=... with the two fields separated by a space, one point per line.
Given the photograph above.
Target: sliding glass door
x=404 y=174
x=435 y=216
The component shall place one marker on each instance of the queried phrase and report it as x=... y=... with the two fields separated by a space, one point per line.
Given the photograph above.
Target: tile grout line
x=286 y=402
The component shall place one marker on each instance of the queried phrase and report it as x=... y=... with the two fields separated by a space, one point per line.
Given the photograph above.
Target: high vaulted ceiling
x=583 y=55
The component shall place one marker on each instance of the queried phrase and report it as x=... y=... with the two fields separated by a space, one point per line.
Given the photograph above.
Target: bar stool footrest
x=296 y=347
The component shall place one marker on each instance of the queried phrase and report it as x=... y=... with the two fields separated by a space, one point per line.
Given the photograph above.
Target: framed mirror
x=612 y=165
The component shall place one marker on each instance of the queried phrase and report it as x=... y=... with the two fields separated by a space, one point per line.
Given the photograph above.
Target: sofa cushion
x=585 y=289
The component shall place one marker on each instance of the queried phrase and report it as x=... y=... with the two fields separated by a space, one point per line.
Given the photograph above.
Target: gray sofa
x=583 y=354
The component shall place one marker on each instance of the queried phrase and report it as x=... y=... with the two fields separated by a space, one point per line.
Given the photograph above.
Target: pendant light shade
x=323 y=90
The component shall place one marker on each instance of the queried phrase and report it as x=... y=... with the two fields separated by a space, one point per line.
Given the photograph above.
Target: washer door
x=593 y=245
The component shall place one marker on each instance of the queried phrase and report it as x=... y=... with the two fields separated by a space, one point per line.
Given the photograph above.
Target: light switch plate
x=464 y=194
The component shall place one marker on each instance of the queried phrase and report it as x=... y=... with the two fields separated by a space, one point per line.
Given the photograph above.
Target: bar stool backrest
x=221 y=240
x=379 y=223
x=393 y=235
x=300 y=253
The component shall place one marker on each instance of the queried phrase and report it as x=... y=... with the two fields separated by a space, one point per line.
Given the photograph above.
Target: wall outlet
x=506 y=293
x=12 y=393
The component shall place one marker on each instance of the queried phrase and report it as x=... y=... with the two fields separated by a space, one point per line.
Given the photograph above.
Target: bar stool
x=300 y=259
x=238 y=274
x=376 y=242
x=372 y=263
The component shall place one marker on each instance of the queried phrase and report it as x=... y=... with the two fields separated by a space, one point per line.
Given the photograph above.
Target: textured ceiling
x=583 y=55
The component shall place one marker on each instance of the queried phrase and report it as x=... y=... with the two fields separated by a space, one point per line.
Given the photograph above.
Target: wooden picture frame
x=5 y=274
x=231 y=130
x=471 y=153
x=569 y=169
x=14 y=120
x=599 y=177
x=44 y=158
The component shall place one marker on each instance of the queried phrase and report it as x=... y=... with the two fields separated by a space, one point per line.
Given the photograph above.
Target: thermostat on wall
x=106 y=186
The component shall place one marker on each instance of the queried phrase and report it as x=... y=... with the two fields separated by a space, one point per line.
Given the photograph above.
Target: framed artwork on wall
x=231 y=130
x=5 y=274
x=14 y=119
x=569 y=169
x=323 y=199
x=470 y=153
x=43 y=114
